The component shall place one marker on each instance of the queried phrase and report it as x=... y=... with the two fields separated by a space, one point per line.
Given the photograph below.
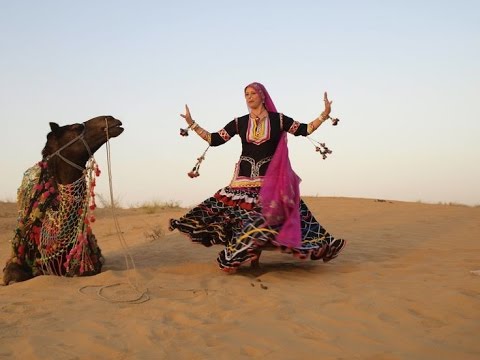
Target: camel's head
x=68 y=138
x=76 y=142
x=101 y=128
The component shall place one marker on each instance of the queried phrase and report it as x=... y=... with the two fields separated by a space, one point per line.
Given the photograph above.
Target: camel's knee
x=14 y=272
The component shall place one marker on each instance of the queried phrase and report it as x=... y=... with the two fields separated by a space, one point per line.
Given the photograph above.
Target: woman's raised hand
x=187 y=116
x=328 y=106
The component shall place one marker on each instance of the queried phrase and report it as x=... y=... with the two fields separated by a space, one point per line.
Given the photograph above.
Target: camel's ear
x=54 y=126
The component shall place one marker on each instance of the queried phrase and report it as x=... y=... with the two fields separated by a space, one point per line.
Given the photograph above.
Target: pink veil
x=280 y=192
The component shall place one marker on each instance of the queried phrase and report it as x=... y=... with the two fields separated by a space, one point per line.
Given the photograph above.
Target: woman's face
x=253 y=98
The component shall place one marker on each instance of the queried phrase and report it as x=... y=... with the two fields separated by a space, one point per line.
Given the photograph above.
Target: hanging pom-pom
x=320 y=148
x=323 y=150
x=194 y=173
x=184 y=132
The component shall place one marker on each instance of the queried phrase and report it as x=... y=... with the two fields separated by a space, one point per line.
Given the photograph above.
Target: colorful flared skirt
x=233 y=218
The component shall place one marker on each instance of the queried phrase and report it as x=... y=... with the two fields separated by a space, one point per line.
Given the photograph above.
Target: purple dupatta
x=280 y=192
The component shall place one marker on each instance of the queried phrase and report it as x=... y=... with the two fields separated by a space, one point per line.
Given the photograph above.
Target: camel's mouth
x=115 y=129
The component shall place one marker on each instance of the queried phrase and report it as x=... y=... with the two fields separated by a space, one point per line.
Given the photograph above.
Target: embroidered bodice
x=259 y=138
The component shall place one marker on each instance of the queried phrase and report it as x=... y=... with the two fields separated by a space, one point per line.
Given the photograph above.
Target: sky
x=404 y=78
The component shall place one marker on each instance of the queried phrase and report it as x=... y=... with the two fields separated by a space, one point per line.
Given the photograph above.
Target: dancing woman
x=261 y=207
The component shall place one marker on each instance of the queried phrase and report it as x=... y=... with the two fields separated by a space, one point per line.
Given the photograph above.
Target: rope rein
x=79 y=137
x=142 y=295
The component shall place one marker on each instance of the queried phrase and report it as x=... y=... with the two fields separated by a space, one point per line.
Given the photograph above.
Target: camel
x=53 y=234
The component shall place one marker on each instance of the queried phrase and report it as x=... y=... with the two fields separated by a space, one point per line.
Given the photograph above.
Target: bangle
x=194 y=125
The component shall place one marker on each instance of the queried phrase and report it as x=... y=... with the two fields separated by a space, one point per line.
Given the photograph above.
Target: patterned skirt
x=233 y=218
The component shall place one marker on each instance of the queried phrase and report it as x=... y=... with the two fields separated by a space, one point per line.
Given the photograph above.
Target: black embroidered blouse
x=259 y=141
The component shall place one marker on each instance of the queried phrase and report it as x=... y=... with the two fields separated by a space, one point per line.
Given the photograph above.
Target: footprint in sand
x=16 y=308
x=427 y=321
x=387 y=318
x=263 y=286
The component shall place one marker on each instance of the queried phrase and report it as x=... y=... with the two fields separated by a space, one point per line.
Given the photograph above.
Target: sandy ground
x=402 y=289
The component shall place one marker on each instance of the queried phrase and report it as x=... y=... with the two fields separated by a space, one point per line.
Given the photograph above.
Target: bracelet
x=193 y=126
x=322 y=118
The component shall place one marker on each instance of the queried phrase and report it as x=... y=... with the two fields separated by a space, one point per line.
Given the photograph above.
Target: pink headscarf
x=267 y=100
x=280 y=192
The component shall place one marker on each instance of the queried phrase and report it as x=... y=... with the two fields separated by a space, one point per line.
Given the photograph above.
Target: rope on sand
x=141 y=294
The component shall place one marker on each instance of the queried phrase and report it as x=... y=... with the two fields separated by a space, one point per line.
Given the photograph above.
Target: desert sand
x=405 y=287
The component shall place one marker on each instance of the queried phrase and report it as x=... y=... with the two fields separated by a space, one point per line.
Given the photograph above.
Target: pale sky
x=404 y=77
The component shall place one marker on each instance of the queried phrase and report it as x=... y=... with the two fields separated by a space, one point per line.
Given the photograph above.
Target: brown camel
x=53 y=234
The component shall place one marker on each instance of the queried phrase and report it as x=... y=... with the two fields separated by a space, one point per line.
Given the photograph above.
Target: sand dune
x=402 y=289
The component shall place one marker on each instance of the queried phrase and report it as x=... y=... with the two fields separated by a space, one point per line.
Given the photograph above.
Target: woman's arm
x=204 y=134
x=314 y=125
x=302 y=129
x=213 y=139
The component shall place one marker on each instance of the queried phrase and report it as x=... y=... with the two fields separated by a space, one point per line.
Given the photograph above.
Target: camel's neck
x=64 y=173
